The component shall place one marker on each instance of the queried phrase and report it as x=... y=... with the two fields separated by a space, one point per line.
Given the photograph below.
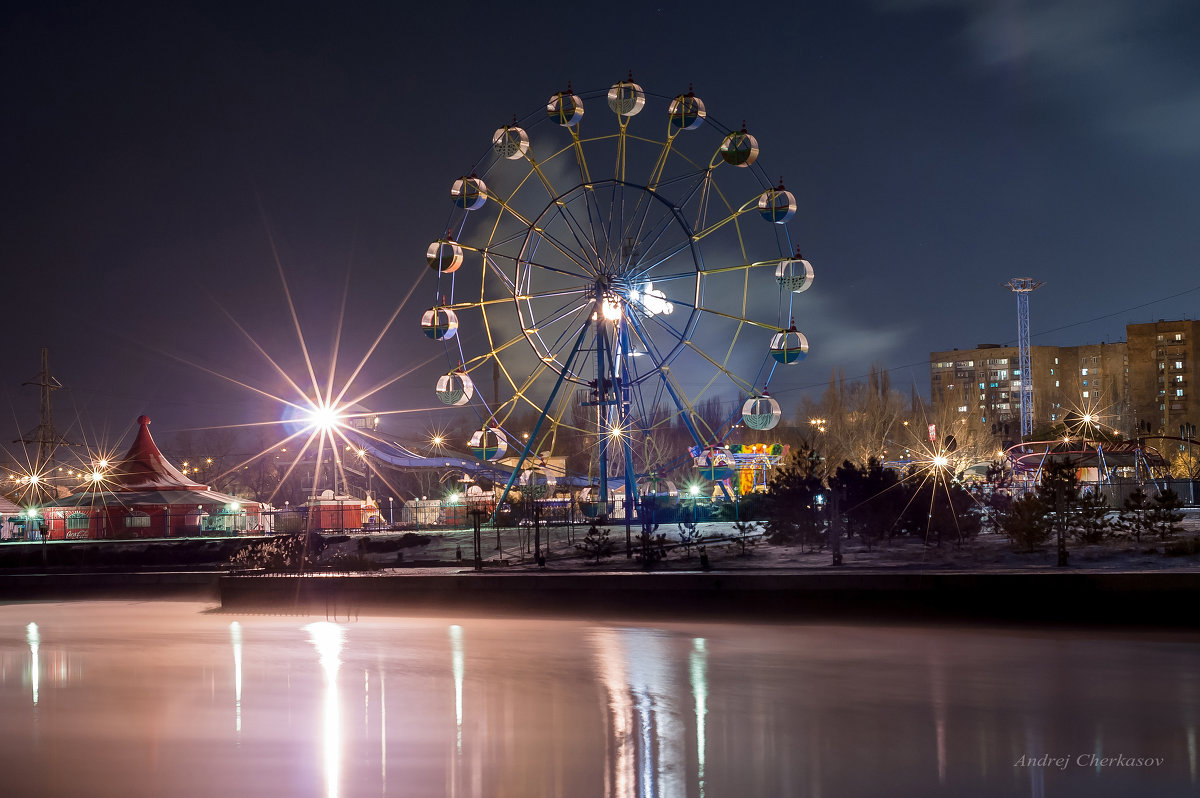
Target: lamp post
x=1187 y=431
x=391 y=517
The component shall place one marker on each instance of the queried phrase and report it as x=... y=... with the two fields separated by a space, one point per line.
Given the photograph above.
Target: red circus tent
x=144 y=496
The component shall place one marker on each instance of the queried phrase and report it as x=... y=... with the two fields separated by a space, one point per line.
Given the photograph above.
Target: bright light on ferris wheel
x=653 y=301
x=610 y=308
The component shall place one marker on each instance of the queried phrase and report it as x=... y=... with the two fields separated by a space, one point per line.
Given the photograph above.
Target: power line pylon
x=46 y=437
x=1023 y=287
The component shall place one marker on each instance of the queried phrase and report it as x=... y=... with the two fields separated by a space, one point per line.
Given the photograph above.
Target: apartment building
x=1163 y=365
x=985 y=383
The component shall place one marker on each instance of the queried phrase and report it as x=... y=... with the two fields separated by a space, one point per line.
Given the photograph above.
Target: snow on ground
x=985 y=552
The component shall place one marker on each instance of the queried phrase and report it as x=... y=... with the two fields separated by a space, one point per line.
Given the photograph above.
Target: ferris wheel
x=613 y=260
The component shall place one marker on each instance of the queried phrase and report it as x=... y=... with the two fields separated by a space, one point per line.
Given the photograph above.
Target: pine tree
x=1164 y=515
x=1134 y=518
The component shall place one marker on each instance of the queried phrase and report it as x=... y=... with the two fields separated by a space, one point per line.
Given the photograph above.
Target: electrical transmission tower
x=1023 y=287
x=46 y=437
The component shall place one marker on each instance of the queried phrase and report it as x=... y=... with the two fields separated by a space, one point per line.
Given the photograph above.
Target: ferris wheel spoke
x=685 y=245
x=704 y=232
x=660 y=163
x=471 y=364
x=568 y=313
x=623 y=128
x=741 y=319
x=532 y=264
x=580 y=158
x=489 y=260
x=563 y=248
x=722 y=367
x=536 y=326
x=584 y=237
x=650 y=233
x=579 y=291
x=676 y=337
x=565 y=251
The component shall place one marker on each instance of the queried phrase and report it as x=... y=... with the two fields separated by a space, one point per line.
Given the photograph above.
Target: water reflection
x=698 y=662
x=327 y=638
x=34 y=640
x=548 y=708
x=235 y=638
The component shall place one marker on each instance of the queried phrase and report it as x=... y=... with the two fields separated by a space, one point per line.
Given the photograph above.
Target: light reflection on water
x=165 y=699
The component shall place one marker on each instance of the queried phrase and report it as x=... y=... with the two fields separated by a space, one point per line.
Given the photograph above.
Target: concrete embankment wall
x=1056 y=597
x=197 y=585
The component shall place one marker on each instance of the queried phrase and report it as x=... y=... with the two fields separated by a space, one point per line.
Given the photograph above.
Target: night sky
x=152 y=153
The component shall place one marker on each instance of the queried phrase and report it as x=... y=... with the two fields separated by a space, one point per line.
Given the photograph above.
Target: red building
x=144 y=496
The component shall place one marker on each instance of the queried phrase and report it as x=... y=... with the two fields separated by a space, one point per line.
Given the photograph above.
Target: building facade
x=1163 y=357
x=984 y=383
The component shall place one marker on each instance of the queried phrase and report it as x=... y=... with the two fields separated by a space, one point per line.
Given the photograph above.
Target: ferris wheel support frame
x=537 y=428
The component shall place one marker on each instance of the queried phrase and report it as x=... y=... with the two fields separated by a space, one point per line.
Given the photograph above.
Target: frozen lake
x=172 y=699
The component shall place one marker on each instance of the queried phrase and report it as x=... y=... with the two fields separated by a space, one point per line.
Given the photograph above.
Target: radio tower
x=1023 y=287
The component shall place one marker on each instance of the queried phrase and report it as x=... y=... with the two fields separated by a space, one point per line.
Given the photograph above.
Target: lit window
x=1178 y=364
x=1178 y=336
x=1178 y=378
x=1056 y=383
x=1179 y=392
x=77 y=521
x=1085 y=394
x=1085 y=383
x=137 y=520
x=962 y=408
x=1083 y=372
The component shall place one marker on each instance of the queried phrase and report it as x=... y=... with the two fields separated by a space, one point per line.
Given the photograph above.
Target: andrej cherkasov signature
x=1087 y=761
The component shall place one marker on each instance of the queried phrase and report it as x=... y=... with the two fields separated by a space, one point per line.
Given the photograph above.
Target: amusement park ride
x=615 y=269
